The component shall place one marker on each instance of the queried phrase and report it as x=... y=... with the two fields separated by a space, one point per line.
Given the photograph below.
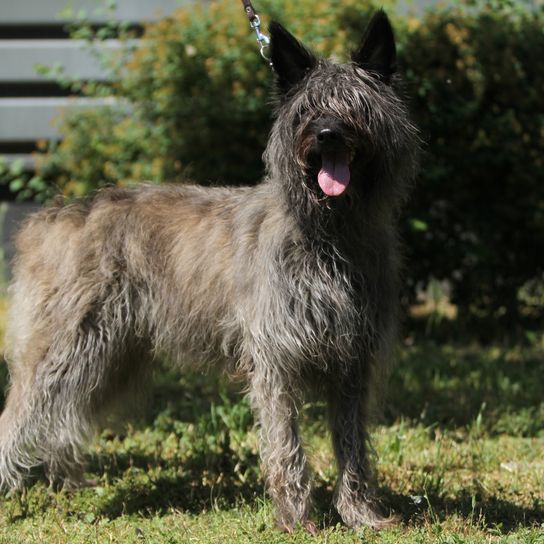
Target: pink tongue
x=333 y=178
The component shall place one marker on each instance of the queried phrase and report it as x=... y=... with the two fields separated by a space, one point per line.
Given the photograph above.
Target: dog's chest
x=310 y=310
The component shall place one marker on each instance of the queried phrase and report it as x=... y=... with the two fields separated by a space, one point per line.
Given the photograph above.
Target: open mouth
x=334 y=176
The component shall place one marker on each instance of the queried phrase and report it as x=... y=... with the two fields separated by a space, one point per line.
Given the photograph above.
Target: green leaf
x=418 y=225
x=25 y=194
x=16 y=185
x=17 y=167
x=37 y=183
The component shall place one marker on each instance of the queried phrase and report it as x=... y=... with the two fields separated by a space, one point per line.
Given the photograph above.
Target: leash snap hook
x=255 y=24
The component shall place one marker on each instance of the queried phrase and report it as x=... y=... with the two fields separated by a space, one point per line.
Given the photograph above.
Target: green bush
x=478 y=85
x=199 y=109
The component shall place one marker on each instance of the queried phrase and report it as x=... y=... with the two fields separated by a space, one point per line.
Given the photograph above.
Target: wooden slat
x=26 y=158
x=15 y=12
x=18 y=59
x=30 y=119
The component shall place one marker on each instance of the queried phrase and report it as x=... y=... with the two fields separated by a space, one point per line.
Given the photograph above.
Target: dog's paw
x=367 y=515
x=309 y=527
x=289 y=528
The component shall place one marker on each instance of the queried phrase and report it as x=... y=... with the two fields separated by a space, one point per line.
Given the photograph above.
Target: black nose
x=327 y=136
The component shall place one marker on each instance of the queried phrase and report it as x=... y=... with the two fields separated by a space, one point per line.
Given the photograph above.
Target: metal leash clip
x=255 y=24
x=264 y=41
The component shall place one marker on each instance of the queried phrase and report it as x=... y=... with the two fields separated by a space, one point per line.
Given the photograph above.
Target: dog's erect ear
x=377 y=52
x=290 y=59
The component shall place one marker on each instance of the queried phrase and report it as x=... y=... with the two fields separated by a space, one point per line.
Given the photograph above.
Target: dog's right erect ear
x=290 y=59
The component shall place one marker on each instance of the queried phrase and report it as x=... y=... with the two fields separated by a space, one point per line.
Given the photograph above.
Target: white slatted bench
x=32 y=33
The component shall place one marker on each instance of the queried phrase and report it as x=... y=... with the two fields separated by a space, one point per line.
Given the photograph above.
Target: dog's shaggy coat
x=294 y=289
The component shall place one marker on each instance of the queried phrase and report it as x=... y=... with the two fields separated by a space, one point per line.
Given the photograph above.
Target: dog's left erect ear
x=290 y=59
x=377 y=52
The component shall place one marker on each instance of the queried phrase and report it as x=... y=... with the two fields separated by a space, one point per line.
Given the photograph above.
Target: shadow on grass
x=450 y=385
x=486 y=512
x=191 y=490
x=183 y=491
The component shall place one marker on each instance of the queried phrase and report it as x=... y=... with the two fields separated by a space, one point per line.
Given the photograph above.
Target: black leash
x=255 y=24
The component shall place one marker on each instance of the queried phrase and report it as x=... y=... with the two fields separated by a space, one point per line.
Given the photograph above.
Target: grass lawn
x=460 y=449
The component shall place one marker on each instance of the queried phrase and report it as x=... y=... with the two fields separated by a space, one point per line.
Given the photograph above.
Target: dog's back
x=150 y=259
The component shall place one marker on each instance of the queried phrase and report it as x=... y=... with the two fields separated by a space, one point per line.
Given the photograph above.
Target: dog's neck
x=342 y=224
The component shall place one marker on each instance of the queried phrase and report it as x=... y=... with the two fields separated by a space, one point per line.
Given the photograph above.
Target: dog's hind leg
x=45 y=419
x=53 y=407
x=17 y=436
x=283 y=458
x=81 y=381
x=355 y=494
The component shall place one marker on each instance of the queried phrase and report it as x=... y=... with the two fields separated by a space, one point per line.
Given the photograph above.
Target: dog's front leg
x=354 y=496
x=283 y=458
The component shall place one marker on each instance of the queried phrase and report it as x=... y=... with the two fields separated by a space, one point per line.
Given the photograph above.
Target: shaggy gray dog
x=293 y=283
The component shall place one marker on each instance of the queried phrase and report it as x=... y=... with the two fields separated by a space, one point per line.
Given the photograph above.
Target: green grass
x=460 y=457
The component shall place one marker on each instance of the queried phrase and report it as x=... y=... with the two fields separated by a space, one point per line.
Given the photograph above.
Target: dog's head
x=338 y=126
